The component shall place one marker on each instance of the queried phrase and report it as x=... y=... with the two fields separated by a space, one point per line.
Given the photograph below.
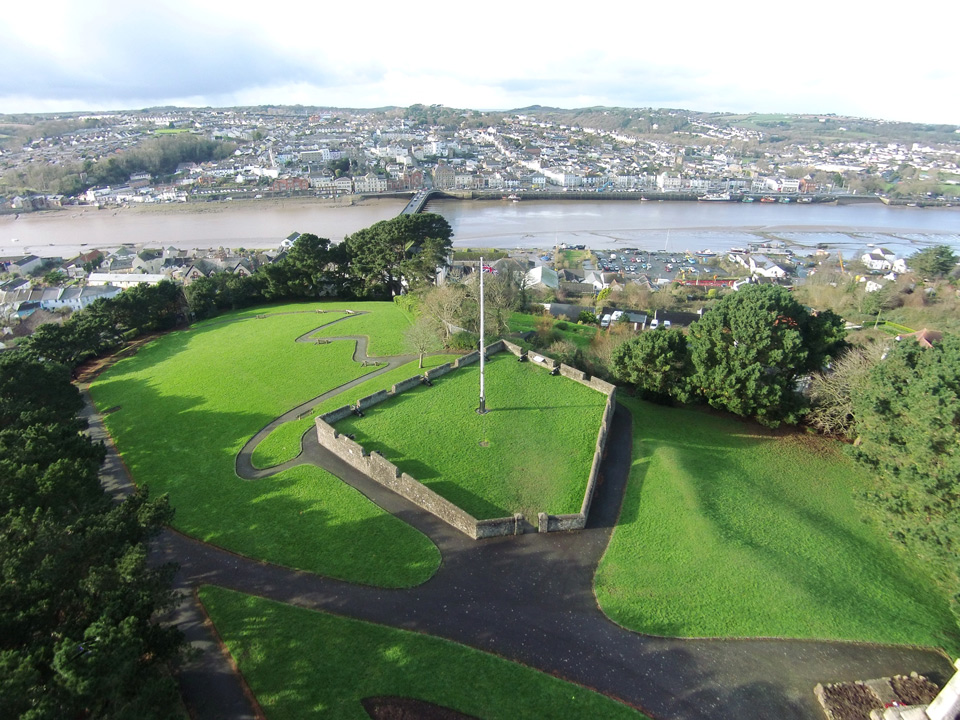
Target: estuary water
x=652 y=225
x=717 y=226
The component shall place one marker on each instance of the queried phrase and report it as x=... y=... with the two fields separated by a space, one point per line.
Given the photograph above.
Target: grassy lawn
x=183 y=406
x=579 y=335
x=302 y=663
x=283 y=443
x=541 y=433
x=730 y=530
x=574 y=258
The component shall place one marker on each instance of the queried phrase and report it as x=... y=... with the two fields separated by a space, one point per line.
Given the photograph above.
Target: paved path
x=530 y=598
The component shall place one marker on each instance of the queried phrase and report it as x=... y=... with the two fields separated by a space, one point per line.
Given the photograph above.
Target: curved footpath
x=528 y=598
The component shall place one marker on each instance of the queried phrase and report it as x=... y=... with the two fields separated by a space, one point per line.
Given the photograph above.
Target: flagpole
x=483 y=403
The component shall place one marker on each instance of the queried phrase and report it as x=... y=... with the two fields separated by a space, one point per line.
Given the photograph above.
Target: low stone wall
x=438 y=371
x=371 y=400
x=467 y=359
x=571 y=372
x=559 y=523
x=404 y=385
x=598 y=453
x=500 y=526
x=600 y=385
x=338 y=414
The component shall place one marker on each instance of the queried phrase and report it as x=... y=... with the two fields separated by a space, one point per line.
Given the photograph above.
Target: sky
x=813 y=57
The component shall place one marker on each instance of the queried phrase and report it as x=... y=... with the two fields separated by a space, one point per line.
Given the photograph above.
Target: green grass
x=303 y=663
x=541 y=433
x=730 y=530
x=579 y=335
x=574 y=258
x=183 y=406
x=283 y=443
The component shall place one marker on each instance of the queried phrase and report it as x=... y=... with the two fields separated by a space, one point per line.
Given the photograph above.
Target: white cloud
x=754 y=56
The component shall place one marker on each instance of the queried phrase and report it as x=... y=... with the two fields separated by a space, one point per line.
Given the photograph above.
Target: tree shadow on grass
x=302 y=518
x=479 y=507
x=851 y=574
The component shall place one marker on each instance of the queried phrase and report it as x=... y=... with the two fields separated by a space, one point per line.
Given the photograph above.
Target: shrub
x=463 y=340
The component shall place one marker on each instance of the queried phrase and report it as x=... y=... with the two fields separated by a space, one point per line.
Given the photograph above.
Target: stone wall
x=559 y=523
x=371 y=400
x=338 y=414
x=404 y=385
x=500 y=526
x=571 y=372
x=438 y=371
x=598 y=453
x=467 y=359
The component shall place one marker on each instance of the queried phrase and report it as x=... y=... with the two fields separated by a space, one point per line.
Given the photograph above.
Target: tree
x=833 y=390
x=750 y=349
x=421 y=337
x=934 y=262
x=77 y=597
x=406 y=250
x=657 y=363
x=444 y=306
x=55 y=277
x=908 y=427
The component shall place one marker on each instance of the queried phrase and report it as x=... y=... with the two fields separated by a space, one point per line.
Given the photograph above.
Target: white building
x=542 y=276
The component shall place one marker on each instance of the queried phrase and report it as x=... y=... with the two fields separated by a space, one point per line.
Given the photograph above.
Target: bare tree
x=832 y=391
x=421 y=337
x=444 y=306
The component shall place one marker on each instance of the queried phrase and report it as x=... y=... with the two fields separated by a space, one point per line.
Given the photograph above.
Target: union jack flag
x=488 y=269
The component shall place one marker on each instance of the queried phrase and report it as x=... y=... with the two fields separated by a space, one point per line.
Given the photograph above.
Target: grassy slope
x=729 y=530
x=434 y=434
x=579 y=335
x=189 y=401
x=283 y=443
x=302 y=663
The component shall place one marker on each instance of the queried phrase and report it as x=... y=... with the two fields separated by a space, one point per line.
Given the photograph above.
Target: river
x=652 y=225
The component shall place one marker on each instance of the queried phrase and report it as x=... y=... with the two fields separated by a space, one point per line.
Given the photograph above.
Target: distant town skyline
x=816 y=58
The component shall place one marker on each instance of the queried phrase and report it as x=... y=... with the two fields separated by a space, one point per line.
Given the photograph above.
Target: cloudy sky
x=850 y=58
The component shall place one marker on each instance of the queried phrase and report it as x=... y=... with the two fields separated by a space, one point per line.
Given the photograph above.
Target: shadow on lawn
x=824 y=555
x=302 y=518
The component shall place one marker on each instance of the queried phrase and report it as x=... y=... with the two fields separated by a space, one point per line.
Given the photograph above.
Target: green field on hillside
x=728 y=529
x=185 y=404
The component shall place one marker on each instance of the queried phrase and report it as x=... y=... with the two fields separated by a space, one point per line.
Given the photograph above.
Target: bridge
x=418 y=201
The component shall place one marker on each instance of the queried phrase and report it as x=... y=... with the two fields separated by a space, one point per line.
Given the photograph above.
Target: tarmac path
x=527 y=598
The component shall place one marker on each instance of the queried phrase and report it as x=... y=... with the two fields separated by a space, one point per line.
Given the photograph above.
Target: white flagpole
x=483 y=404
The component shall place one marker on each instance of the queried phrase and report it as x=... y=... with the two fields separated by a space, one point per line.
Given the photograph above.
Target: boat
x=738 y=250
x=514 y=198
x=715 y=197
x=784 y=200
x=705 y=253
x=747 y=199
x=767 y=199
x=804 y=200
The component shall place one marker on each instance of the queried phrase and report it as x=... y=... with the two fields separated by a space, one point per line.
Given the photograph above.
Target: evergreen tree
x=750 y=349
